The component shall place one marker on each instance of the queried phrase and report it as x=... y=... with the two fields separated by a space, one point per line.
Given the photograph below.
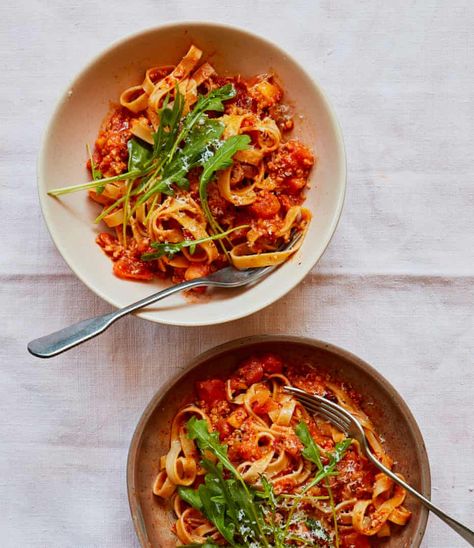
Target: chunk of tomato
x=224 y=429
x=211 y=391
x=250 y=371
x=355 y=540
x=132 y=269
x=272 y=363
x=266 y=206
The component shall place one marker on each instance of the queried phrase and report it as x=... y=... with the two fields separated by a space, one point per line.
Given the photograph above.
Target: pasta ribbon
x=188 y=216
x=256 y=423
x=252 y=190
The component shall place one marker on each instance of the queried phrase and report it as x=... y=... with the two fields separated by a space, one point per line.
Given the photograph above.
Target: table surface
x=395 y=286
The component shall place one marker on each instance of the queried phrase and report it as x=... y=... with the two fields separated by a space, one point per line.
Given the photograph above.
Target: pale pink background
x=395 y=287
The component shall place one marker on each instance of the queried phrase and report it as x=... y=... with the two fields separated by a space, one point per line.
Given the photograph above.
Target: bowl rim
x=234 y=314
x=243 y=342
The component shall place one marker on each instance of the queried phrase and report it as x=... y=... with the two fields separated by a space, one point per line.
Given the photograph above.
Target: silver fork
x=347 y=423
x=64 y=339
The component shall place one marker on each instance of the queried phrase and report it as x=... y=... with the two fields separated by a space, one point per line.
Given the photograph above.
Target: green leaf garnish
x=171 y=249
x=170 y=135
x=139 y=156
x=198 y=430
x=96 y=173
x=228 y=503
x=312 y=453
x=191 y=496
x=221 y=159
x=245 y=516
x=167 y=132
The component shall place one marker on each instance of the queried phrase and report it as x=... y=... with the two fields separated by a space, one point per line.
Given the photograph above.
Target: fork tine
x=319 y=405
x=328 y=415
x=339 y=422
x=232 y=277
x=326 y=405
x=328 y=409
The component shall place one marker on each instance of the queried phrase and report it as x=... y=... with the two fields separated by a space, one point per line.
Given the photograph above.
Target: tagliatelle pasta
x=192 y=156
x=277 y=449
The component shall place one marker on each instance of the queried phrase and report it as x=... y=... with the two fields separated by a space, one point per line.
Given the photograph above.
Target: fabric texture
x=395 y=285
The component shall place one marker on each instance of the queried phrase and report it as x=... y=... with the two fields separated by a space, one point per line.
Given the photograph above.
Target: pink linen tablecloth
x=395 y=286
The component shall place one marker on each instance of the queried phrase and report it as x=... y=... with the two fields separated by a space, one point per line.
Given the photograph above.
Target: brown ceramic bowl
x=389 y=413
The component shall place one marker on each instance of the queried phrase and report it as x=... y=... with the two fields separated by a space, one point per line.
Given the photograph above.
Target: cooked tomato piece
x=104 y=239
x=265 y=406
x=224 y=428
x=272 y=363
x=354 y=540
x=260 y=407
x=290 y=166
x=196 y=271
x=266 y=206
x=211 y=391
x=248 y=449
x=295 y=184
x=132 y=269
x=250 y=371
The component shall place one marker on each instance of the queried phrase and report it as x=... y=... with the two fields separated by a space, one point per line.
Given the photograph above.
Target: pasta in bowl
x=281 y=476
x=193 y=174
x=215 y=149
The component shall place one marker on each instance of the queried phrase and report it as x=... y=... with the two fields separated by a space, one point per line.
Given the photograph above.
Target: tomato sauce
x=111 y=153
x=286 y=172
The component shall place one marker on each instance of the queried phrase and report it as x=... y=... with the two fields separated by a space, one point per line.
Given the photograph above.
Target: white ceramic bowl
x=76 y=121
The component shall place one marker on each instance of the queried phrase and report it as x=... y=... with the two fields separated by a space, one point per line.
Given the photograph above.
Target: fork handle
x=64 y=339
x=461 y=529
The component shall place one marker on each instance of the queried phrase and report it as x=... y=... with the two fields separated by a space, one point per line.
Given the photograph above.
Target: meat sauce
x=238 y=431
x=289 y=167
x=111 y=153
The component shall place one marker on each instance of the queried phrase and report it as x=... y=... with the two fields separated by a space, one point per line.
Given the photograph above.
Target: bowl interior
x=78 y=118
x=390 y=415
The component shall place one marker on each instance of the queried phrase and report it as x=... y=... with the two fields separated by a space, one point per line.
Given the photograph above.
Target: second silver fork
x=347 y=423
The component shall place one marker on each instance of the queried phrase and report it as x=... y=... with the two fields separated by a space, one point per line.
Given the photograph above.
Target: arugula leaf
x=240 y=500
x=100 y=182
x=212 y=101
x=139 y=156
x=138 y=166
x=198 y=146
x=268 y=493
x=96 y=173
x=168 y=138
x=225 y=503
x=209 y=441
x=170 y=249
x=221 y=159
x=191 y=496
x=215 y=496
x=166 y=134
x=215 y=99
x=311 y=451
